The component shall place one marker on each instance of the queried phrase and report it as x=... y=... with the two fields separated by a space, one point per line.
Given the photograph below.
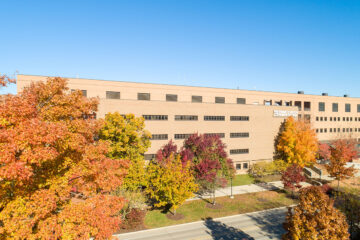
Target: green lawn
x=244 y=203
x=242 y=179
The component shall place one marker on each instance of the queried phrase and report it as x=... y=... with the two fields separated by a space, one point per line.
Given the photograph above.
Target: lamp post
x=231 y=195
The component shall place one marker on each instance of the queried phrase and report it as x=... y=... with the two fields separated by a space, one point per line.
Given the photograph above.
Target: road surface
x=252 y=226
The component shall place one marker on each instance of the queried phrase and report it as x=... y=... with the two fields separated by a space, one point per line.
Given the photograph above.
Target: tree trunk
x=214 y=198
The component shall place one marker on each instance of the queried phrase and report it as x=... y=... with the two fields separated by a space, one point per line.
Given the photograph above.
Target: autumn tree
x=128 y=140
x=342 y=151
x=315 y=218
x=166 y=151
x=169 y=183
x=297 y=143
x=5 y=80
x=209 y=161
x=55 y=178
x=292 y=178
x=324 y=151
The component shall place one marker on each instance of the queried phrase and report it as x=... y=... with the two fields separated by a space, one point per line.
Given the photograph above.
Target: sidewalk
x=243 y=189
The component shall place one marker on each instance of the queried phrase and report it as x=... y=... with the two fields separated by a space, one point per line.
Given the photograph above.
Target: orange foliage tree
x=55 y=178
x=298 y=143
x=5 y=80
x=315 y=218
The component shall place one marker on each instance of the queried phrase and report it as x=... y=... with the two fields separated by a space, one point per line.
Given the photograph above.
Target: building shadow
x=220 y=231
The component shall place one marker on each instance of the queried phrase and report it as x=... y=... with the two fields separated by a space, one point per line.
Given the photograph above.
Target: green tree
x=128 y=141
x=169 y=182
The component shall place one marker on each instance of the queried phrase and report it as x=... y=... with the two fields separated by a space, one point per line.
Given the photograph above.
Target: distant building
x=247 y=121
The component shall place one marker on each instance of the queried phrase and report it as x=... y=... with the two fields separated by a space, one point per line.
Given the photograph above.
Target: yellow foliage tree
x=170 y=183
x=128 y=141
x=315 y=218
x=298 y=143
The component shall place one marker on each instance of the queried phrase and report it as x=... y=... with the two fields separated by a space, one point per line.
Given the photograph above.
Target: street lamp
x=231 y=195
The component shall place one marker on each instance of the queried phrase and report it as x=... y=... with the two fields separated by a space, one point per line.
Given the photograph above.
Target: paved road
x=252 y=226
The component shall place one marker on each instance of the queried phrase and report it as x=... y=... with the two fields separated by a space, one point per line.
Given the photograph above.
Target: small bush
x=134 y=219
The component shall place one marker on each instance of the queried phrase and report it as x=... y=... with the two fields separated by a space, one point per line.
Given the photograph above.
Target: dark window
x=182 y=136
x=112 y=95
x=321 y=107
x=321 y=130
x=307 y=117
x=220 y=135
x=325 y=118
x=144 y=96
x=149 y=157
x=338 y=119
x=347 y=107
x=358 y=108
x=239 y=118
x=241 y=101
x=159 y=137
x=238 y=166
x=338 y=129
x=245 y=165
x=155 y=117
x=171 y=97
x=186 y=118
x=344 y=119
x=330 y=119
x=239 y=135
x=219 y=100
x=321 y=118
x=317 y=130
x=330 y=129
x=84 y=92
x=197 y=99
x=317 y=118
x=335 y=107
x=325 y=130
x=298 y=104
x=214 y=118
x=239 y=151
x=307 y=106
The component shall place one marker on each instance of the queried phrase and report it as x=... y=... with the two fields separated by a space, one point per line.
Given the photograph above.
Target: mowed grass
x=242 y=179
x=244 y=203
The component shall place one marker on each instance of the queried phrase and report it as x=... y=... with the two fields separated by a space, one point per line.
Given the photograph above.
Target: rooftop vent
x=300 y=92
x=345 y=95
x=325 y=94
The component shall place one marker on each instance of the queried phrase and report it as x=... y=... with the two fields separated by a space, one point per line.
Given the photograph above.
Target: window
x=330 y=129
x=239 y=135
x=344 y=119
x=243 y=101
x=239 y=151
x=149 y=157
x=321 y=118
x=321 y=107
x=338 y=119
x=144 y=96
x=317 y=118
x=298 y=104
x=155 y=117
x=182 y=136
x=239 y=118
x=325 y=118
x=307 y=117
x=220 y=135
x=219 y=100
x=347 y=107
x=245 y=165
x=325 y=130
x=307 y=106
x=335 y=107
x=321 y=130
x=159 y=137
x=317 y=130
x=186 y=118
x=214 y=118
x=171 y=97
x=238 y=166
x=196 y=99
x=358 y=108
x=84 y=92
x=347 y=119
x=330 y=119
x=112 y=95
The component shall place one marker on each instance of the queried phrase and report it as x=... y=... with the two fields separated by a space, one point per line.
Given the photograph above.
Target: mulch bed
x=216 y=206
x=176 y=216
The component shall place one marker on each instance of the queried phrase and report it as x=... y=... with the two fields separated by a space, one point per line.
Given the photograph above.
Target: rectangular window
x=245 y=165
x=182 y=136
x=347 y=107
x=307 y=106
x=156 y=117
x=243 y=101
x=239 y=135
x=112 y=95
x=186 y=118
x=220 y=135
x=238 y=166
x=149 y=157
x=321 y=107
x=239 y=151
x=214 y=118
x=84 y=92
x=196 y=99
x=239 y=118
x=335 y=107
x=298 y=104
x=144 y=96
x=171 y=97
x=358 y=108
x=159 y=137
x=219 y=100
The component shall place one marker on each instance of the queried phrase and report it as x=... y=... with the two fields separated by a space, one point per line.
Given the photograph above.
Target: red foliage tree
x=292 y=177
x=55 y=177
x=164 y=153
x=324 y=151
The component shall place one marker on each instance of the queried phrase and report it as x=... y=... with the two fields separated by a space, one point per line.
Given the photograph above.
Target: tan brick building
x=247 y=121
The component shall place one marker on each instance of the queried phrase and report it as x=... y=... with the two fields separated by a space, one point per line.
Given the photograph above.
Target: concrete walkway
x=243 y=189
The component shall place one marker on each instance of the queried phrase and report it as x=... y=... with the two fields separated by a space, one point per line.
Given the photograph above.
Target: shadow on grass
x=220 y=231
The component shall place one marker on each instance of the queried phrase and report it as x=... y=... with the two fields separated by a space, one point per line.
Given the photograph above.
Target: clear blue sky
x=265 y=45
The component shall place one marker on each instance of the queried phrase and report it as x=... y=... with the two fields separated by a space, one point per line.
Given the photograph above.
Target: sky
x=281 y=46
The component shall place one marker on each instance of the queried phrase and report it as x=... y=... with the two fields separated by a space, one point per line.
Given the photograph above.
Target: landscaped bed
x=197 y=210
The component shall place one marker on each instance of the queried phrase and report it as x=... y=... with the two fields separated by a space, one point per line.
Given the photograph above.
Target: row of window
x=347 y=119
x=195 y=118
x=187 y=135
x=334 y=130
x=240 y=166
x=335 y=107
